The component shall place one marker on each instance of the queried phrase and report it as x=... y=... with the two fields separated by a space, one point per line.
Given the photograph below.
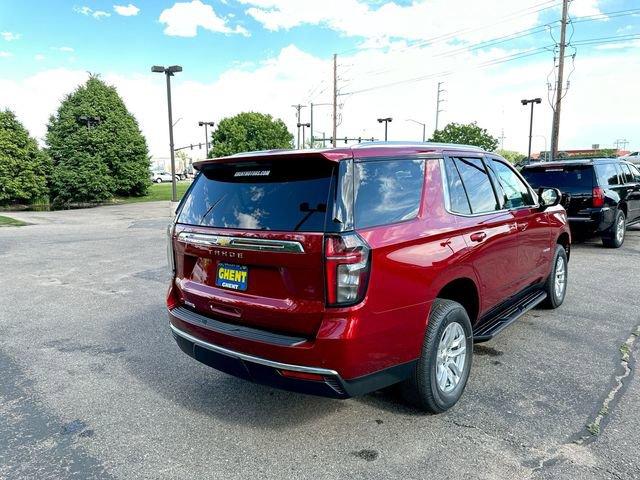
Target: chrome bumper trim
x=251 y=358
x=241 y=243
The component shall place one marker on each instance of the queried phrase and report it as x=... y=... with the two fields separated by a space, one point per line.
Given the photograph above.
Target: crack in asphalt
x=592 y=429
x=615 y=392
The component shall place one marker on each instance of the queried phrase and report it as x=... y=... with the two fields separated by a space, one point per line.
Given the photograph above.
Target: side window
x=458 y=201
x=608 y=173
x=477 y=185
x=387 y=191
x=515 y=191
x=635 y=172
x=626 y=173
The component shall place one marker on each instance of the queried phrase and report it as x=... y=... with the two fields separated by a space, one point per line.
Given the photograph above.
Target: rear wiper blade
x=212 y=207
x=304 y=207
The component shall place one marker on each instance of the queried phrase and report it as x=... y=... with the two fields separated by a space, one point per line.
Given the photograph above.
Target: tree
x=248 y=132
x=512 y=156
x=93 y=139
x=467 y=134
x=23 y=166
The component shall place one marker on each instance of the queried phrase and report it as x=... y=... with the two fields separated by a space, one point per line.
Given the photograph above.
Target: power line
x=507 y=58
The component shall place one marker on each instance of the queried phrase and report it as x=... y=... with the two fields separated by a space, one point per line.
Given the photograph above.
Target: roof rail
x=418 y=144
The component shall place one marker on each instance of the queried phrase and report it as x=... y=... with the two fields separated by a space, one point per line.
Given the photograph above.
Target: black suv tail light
x=598 y=197
x=347 y=264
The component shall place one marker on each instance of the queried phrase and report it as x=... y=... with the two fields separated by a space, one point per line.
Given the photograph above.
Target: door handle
x=522 y=226
x=478 y=236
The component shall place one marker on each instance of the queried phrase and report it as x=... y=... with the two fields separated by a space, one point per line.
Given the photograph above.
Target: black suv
x=603 y=195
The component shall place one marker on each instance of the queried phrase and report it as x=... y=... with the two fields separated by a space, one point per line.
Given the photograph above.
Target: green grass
x=10 y=222
x=157 y=192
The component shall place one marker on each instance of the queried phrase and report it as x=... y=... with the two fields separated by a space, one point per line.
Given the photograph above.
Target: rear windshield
x=568 y=178
x=280 y=195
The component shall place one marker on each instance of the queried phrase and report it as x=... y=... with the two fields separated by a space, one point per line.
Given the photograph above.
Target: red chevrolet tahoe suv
x=338 y=272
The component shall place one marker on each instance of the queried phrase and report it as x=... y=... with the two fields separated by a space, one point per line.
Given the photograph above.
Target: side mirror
x=549 y=197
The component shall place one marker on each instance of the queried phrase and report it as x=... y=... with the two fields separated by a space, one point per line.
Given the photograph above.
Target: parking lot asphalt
x=92 y=384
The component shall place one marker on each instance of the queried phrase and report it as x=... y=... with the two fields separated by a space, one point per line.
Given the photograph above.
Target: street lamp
x=424 y=128
x=303 y=125
x=532 y=101
x=169 y=71
x=206 y=136
x=386 y=123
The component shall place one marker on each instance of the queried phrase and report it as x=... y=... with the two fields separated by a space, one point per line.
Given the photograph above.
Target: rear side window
x=477 y=185
x=567 y=178
x=458 y=201
x=635 y=172
x=387 y=191
x=516 y=193
x=276 y=195
x=626 y=173
x=608 y=174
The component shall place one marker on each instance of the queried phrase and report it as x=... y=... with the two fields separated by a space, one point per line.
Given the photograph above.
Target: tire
x=422 y=388
x=158 y=180
x=614 y=238
x=556 y=285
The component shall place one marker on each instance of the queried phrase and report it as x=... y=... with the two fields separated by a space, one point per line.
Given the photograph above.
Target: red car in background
x=338 y=272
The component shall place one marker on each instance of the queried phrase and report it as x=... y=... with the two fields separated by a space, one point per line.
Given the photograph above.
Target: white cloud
x=97 y=14
x=63 y=49
x=585 y=8
x=126 y=11
x=489 y=96
x=4 y=54
x=184 y=18
x=417 y=20
x=39 y=57
x=10 y=36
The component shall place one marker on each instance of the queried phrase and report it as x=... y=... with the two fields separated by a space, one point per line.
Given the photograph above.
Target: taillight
x=170 y=254
x=347 y=269
x=598 y=197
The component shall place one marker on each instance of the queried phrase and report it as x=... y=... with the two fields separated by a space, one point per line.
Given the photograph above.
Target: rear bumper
x=592 y=220
x=328 y=383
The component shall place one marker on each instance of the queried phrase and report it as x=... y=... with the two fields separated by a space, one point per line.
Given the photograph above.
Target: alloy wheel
x=451 y=357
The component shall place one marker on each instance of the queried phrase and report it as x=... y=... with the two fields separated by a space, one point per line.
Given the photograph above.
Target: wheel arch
x=464 y=291
x=565 y=241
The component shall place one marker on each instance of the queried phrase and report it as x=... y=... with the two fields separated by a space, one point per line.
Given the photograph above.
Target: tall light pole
x=303 y=125
x=206 y=136
x=532 y=101
x=169 y=72
x=386 y=123
x=424 y=128
x=311 y=117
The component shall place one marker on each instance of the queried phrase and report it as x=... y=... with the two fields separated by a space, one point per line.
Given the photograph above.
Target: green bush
x=23 y=166
x=93 y=162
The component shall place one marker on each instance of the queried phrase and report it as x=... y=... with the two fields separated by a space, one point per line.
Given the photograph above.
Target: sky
x=267 y=55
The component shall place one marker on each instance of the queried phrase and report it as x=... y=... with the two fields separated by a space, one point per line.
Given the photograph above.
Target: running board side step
x=502 y=319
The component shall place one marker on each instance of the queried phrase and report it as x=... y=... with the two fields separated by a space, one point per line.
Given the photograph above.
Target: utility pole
x=298 y=108
x=555 y=131
x=438 y=102
x=335 y=98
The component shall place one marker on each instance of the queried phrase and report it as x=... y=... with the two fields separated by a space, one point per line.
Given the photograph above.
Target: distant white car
x=159 y=177
x=633 y=157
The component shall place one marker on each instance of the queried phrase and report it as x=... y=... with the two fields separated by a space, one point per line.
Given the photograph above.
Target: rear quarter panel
x=411 y=262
